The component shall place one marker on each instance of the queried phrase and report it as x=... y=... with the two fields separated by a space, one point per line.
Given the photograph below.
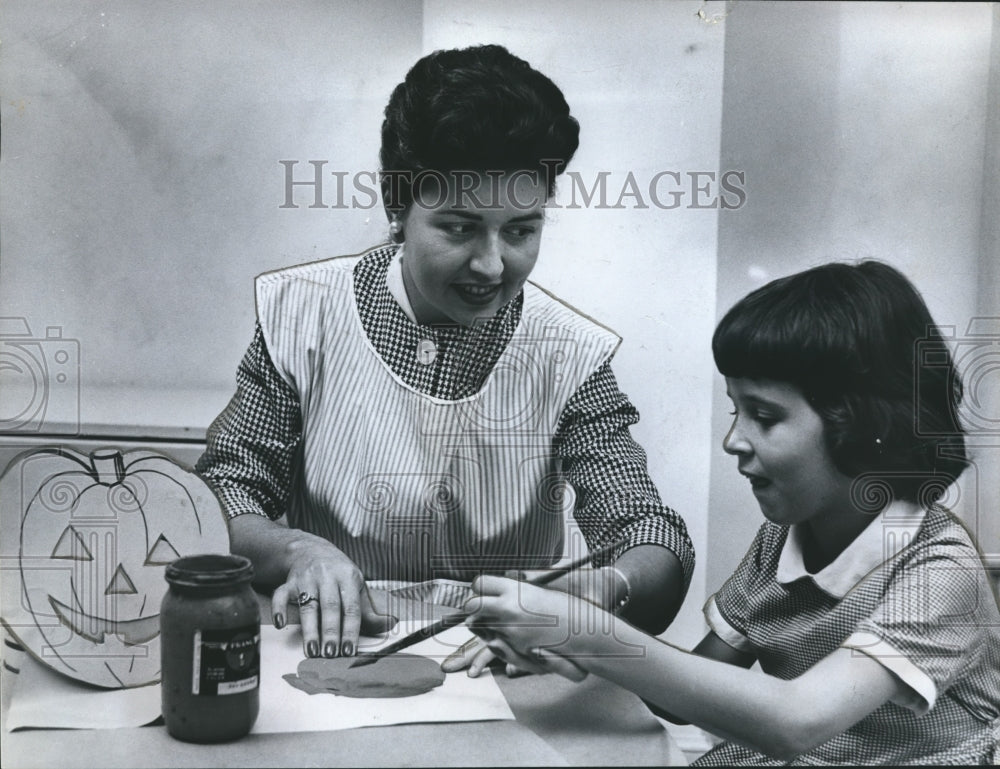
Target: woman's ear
x=395 y=224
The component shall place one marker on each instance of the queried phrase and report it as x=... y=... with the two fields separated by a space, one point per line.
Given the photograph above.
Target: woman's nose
x=487 y=257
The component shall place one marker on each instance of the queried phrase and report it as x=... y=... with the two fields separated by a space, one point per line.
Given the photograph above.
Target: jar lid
x=209 y=569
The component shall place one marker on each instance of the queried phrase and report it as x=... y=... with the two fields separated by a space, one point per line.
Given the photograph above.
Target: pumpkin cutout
x=95 y=536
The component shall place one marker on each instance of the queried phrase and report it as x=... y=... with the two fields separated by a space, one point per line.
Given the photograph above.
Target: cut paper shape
x=93 y=534
x=162 y=553
x=121 y=583
x=398 y=675
x=71 y=547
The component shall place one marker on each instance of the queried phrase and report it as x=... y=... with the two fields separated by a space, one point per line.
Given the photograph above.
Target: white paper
x=42 y=698
x=283 y=708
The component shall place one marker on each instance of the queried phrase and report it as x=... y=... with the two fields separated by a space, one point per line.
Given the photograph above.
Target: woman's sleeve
x=615 y=497
x=251 y=445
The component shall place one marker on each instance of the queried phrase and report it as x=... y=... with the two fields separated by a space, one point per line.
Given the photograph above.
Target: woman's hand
x=528 y=626
x=299 y=562
x=338 y=606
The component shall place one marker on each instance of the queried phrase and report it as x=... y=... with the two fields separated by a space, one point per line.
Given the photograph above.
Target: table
x=557 y=723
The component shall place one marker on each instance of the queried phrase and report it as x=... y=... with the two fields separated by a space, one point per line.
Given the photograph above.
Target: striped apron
x=413 y=487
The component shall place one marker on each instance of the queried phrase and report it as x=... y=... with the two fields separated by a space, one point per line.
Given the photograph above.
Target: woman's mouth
x=476 y=294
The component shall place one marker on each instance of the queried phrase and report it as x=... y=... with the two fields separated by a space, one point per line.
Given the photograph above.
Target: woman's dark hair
x=860 y=344
x=473 y=109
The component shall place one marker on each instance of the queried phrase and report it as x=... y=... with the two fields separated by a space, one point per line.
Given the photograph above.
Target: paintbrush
x=457 y=618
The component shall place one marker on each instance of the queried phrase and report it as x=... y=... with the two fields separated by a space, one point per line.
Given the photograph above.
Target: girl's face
x=470 y=248
x=778 y=439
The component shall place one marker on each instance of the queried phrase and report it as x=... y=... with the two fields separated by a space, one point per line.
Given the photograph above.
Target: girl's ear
x=859 y=433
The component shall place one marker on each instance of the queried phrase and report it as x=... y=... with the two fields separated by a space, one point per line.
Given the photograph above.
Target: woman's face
x=470 y=245
x=779 y=442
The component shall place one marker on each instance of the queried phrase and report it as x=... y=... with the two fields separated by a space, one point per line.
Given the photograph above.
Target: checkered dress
x=928 y=614
x=254 y=448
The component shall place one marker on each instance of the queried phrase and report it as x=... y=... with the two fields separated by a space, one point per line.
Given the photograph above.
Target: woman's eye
x=520 y=232
x=458 y=228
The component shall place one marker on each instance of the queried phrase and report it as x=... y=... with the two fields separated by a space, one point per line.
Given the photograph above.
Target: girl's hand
x=476 y=656
x=528 y=626
x=598 y=586
x=332 y=598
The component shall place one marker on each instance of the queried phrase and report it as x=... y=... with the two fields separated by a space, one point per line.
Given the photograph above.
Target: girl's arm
x=712 y=647
x=781 y=718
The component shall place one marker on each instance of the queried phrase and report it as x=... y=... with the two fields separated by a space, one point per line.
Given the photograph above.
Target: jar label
x=226 y=661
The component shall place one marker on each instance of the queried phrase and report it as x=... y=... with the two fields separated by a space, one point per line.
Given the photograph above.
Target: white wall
x=141 y=177
x=863 y=134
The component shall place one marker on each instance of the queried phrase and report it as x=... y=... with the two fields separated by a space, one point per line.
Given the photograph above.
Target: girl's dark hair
x=860 y=344
x=473 y=109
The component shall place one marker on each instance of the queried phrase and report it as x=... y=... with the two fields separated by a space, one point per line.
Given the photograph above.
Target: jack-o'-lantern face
x=95 y=537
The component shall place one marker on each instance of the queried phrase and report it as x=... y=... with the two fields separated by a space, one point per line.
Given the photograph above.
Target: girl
x=864 y=602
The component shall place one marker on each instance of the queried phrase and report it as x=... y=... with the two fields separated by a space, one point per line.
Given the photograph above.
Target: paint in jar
x=210 y=649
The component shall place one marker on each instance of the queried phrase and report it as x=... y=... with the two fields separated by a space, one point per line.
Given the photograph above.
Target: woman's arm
x=781 y=718
x=251 y=446
x=248 y=461
x=616 y=499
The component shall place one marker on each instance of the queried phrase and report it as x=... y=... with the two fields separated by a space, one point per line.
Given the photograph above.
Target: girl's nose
x=487 y=257
x=734 y=442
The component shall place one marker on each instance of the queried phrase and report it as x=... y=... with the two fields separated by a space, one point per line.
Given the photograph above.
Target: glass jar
x=210 y=648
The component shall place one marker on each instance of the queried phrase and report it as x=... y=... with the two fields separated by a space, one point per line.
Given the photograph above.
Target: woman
x=415 y=410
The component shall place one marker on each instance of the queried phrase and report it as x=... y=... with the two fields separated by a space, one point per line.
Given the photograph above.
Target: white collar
x=887 y=534
x=394 y=282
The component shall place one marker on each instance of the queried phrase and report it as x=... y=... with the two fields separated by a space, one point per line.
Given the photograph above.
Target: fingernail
x=347 y=649
x=330 y=650
x=279 y=620
x=313 y=649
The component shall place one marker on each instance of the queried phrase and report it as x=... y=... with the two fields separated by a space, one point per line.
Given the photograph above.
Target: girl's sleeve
x=936 y=621
x=726 y=611
x=615 y=497
x=251 y=445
